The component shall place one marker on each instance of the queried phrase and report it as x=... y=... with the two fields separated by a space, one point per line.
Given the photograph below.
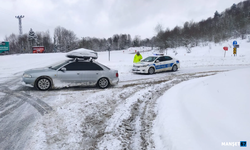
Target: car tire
x=151 y=70
x=43 y=84
x=103 y=83
x=174 y=68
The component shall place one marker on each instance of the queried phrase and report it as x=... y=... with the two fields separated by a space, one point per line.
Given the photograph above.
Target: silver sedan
x=72 y=72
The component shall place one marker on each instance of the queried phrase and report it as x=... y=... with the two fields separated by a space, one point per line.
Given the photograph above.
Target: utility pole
x=20 y=23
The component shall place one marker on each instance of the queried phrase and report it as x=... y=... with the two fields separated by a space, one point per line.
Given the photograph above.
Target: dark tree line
x=233 y=22
x=65 y=40
x=24 y=43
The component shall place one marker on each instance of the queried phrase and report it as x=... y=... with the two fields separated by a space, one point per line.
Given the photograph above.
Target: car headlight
x=26 y=76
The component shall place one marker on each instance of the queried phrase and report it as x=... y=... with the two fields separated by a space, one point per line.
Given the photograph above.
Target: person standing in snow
x=137 y=57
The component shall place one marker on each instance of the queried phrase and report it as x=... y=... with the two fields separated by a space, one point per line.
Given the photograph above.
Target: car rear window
x=104 y=66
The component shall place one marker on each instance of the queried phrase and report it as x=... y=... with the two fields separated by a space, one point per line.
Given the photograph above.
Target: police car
x=153 y=64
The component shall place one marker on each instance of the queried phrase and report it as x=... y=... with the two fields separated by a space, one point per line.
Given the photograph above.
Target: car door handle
x=78 y=73
x=96 y=73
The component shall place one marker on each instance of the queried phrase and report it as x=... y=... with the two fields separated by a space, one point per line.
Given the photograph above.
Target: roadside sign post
x=109 y=50
x=235 y=51
x=225 y=49
x=109 y=54
x=235 y=48
x=234 y=43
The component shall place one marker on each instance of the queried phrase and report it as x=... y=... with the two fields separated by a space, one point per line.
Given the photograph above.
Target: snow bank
x=203 y=113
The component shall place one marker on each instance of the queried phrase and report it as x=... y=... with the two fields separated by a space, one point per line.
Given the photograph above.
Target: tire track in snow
x=114 y=118
x=11 y=109
x=123 y=127
x=41 y=106
x=22 y=96
x=18 y=110
x=95 y=124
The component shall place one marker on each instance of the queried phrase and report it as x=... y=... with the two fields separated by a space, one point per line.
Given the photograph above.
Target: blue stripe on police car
x=163 y=66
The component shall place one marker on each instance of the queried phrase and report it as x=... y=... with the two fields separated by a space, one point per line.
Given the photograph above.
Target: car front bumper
x=29 y=81
x=140 y=70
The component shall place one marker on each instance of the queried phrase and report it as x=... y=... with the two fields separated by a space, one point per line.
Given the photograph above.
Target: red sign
x=225 y=48
x=38 y=49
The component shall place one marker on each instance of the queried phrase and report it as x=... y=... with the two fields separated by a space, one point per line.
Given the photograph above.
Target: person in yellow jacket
x=138 y=57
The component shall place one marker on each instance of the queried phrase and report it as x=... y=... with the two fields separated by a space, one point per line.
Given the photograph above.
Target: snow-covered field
x=204 y=105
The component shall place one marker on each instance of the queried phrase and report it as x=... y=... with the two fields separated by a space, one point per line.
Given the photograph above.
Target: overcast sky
x=104 y=18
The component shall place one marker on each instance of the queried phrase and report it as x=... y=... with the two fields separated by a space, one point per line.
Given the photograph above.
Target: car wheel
x=43 y=84
x=175 y=68
x=151 y=70
x=103 y=83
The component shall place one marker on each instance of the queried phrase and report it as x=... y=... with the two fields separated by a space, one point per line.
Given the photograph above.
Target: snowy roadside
x=203 y=113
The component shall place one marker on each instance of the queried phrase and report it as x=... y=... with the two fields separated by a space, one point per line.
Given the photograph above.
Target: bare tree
x=64 y=39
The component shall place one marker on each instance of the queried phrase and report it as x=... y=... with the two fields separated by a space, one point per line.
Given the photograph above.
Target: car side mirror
x=63 y=69
x=157 y=61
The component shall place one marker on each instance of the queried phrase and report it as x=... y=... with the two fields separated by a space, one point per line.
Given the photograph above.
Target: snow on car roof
x=82 y=53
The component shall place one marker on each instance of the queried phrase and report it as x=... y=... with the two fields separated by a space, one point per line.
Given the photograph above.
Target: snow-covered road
x=86 y=118
x=115 y=118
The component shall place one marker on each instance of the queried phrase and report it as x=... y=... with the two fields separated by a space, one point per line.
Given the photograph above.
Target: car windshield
x=149 y=59
x=58 y=64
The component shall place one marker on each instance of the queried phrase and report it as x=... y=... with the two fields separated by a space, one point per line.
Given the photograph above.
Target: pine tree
x=32 y=38
x=216 y=14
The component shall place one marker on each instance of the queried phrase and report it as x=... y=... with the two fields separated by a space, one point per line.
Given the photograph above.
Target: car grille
x=136 y=66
